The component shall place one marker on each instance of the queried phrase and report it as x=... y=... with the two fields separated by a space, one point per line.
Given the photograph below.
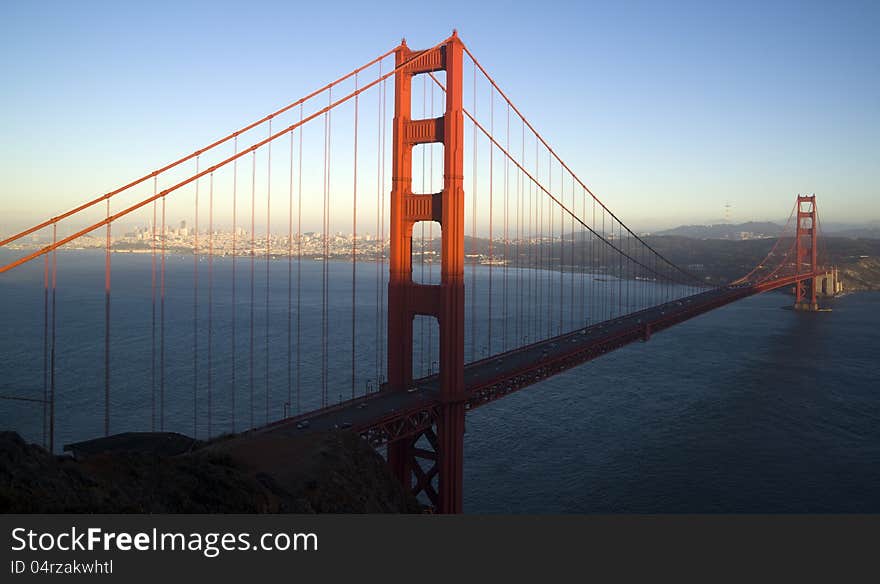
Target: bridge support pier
x=445 y=301
x=806 y=306
x=451 y=457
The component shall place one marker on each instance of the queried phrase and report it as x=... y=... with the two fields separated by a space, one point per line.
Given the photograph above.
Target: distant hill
x=859 y=233
x=749 y=230
x=765 y=229
x=721 y=261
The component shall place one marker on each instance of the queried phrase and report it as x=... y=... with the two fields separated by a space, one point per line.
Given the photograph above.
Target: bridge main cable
x=565 y=207
x=196 y=176
x=194 y=154
x=567 y=168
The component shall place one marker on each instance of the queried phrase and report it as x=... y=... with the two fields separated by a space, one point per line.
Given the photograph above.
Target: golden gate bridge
x=536 y=275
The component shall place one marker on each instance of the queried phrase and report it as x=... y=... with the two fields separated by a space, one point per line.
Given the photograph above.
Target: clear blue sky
x=667 y=109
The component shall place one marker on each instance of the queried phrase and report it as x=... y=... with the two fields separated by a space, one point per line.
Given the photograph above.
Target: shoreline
x=854 y=280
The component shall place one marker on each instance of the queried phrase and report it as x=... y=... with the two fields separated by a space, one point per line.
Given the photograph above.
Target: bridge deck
x=391 y=415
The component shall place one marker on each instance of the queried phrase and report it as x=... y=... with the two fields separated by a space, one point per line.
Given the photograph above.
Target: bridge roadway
x=387 y=415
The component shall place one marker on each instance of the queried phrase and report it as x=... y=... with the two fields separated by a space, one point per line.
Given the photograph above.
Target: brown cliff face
x=320 y=473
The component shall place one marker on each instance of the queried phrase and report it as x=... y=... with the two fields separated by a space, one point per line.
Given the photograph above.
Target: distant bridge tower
x=445 y=301
x=805 y=253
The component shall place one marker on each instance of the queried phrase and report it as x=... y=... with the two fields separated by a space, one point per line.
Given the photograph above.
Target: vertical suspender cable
x=379 y=241
x=585 y=233
x=546 y=276
x=629 y=271
x=491 y=211
x=561 y=249
x=531 y=258
x=290 y=283
x=590 y=275
x=616 y=270
x=196 y=308
x=624 y=260
x=602 y=290
x=571 y=258
x=383 y=305
x=528 y=301
x=627 y=266
x=641 y=286
x=474 y=245
x=354 y=247
x=519 y=235
x=597 y=304
x=210 y=304
x=299 y=267
x=506 y=233
x=539 y=227
x=550 y=225
x=164 y=236
x=551 y=232
x=431 y=232
x=324 y=279
x=589 y=267
x=253 y=250
x=582 y=259
x=647 y=291
x=54 y=341
x=327 y=265
x=327 y=253
x=107 y=328
x=615 y=260
x=539 y=258
x=153 y=321
x=638 y=289
x=620 y=269
x=45 y=348
x=609 y=294
x=607 y=261
x=232 y=338
x=268 y=256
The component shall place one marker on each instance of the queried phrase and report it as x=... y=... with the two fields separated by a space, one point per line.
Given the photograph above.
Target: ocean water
x=750 y=408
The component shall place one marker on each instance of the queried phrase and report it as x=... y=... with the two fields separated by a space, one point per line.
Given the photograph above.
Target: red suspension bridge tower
x=445 y=301
x=805 y=253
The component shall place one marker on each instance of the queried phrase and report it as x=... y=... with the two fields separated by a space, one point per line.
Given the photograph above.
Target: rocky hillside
x=752 y=229
x=722 y=261
x=861 y=274
x=319 y=473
